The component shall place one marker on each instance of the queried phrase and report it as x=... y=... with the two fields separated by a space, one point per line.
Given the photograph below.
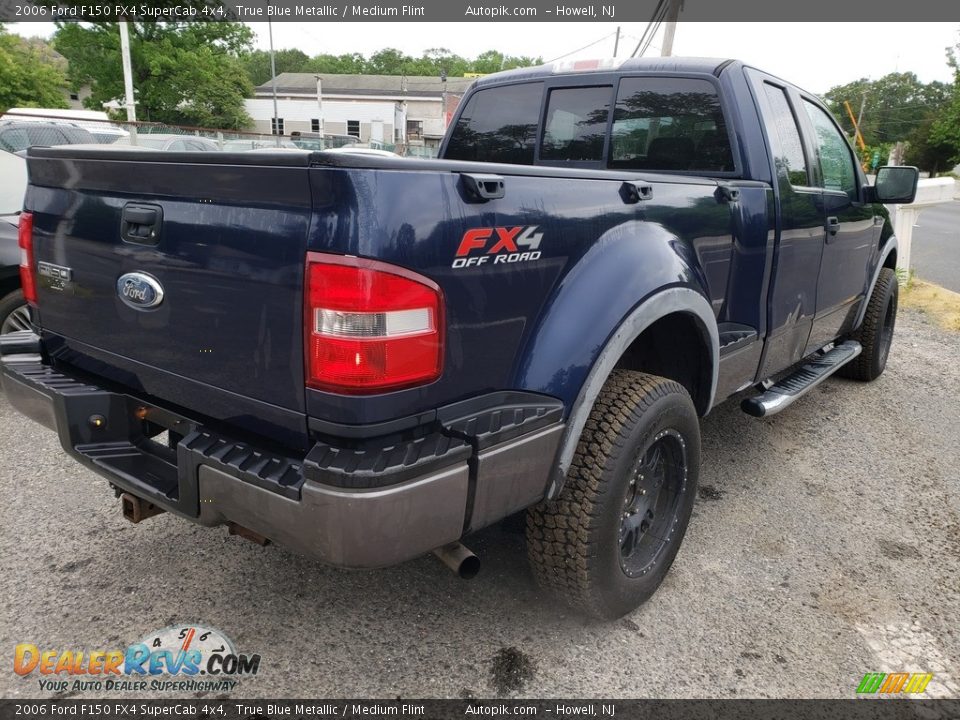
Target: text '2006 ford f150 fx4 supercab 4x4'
x=369 y=358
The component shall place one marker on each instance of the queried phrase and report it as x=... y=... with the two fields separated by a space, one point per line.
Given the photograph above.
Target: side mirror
x=896 y=185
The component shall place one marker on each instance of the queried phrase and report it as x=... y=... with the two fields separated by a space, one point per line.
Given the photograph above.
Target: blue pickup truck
x=367 y=358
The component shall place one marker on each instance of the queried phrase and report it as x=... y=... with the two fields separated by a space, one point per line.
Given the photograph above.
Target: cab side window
x=669 y=123
x=836 y=160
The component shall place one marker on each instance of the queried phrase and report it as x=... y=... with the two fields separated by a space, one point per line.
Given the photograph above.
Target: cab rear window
x=498 y=125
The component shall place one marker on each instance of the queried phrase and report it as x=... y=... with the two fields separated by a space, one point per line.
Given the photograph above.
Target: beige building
x=390 y=109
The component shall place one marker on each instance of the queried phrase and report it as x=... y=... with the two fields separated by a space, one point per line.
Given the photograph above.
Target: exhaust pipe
x=247 y=534
x=136 y=510
x=459 y=559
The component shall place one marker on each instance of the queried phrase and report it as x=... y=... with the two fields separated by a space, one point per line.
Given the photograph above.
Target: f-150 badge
x=496 y=245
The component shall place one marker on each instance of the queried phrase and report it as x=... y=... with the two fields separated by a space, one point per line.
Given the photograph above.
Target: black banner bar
x=475 y=11
x=565 y=709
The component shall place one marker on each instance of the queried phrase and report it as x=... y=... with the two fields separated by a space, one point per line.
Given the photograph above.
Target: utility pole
x=273 y=78
x=443 y=102
x=320 y=108
x=616 y=42
x=858 y=136
x=670 y=27
x=863 y=105
x=128 y=100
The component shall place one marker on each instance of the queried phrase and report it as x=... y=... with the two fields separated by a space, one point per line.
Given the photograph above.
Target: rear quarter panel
x=534 y=325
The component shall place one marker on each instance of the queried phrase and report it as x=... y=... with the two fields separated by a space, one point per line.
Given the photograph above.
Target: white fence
x=930 y=191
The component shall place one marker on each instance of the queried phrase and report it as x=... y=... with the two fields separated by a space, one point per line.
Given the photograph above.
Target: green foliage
x=896 y=105
x=257 y=63
x=388 y=61
x=928 y=152
x=30 y=75
x=183 y=73
x=945 y=129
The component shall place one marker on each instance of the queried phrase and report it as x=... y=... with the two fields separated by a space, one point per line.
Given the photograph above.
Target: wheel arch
x=675 y=309
x=887 y=259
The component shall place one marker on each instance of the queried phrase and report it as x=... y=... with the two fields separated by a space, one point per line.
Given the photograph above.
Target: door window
x=836 y=161
x=669 y=123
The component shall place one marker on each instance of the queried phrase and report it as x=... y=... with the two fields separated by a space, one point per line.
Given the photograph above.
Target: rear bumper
x=348 y=503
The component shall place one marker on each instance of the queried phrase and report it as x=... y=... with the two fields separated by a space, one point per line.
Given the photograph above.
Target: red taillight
x=370 y=327
x=28 y=281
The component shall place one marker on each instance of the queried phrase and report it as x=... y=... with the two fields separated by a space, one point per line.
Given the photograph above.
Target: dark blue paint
x=236 y=229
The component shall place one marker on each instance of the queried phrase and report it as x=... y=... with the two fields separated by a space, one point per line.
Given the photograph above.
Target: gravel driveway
x=825 y=544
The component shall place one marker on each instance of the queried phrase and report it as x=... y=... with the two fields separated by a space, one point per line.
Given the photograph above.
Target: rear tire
x=14 y=313
x=875 y=333
x=606 y=543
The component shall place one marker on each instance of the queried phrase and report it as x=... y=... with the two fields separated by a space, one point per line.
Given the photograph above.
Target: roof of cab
x=711 y=66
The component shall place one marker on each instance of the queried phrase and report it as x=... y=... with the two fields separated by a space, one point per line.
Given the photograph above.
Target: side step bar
x=798 y=383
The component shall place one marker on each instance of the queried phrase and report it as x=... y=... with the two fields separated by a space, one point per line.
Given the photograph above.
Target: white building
x=381 y=108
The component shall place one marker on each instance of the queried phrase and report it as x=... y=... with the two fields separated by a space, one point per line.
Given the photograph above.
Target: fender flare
x=665 y=302
x=888 y=248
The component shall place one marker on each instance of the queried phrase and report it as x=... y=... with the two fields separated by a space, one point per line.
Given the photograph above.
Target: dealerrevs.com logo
x=179 y=658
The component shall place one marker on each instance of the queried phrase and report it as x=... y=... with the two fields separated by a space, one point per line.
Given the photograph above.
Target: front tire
x=875 y=333
x=606 y=543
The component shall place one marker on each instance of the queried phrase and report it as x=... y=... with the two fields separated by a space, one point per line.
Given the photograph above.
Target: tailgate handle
x=483 y=187
x=634 y=191
x=140 y=223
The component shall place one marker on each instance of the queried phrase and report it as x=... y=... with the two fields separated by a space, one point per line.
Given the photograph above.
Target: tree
x=493 y=61
x=257 y=64
x=945 y=129
x=30 y=75
x=927 y=152
x=895 y=106
x=183 y=73
x=389 y=61
x=349 y=64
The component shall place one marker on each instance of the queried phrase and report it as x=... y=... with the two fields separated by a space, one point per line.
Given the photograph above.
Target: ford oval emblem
x=139 y=290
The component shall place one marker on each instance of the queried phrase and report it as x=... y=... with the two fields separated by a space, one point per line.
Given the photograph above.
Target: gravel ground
x=825 y=544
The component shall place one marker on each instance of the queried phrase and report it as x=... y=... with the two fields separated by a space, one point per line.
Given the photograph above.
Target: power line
x=573 y=52
x=659 y=13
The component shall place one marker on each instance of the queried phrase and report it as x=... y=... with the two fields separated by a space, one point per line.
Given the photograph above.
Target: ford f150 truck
x=369 y=358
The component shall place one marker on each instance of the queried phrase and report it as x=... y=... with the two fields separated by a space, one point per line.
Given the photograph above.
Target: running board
x=800 y=382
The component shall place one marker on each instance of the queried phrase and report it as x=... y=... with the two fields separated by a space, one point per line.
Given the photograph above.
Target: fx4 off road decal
x=496 y=245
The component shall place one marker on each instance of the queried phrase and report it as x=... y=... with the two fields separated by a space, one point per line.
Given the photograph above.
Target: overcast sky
x=815 y=56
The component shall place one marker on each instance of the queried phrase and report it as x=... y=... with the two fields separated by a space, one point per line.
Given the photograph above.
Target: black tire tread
x=561 y=540
x=10 y=302
x=868 y=334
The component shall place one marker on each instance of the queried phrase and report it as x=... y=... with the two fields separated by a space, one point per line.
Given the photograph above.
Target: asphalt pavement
x=825 y=545
x=935 y=254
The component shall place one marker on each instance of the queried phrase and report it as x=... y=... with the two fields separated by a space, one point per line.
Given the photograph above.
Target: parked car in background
x=362 y=150
x=96 y=123
x=171 y=142
x=16 y=135
x=265 y=143
x=13 y=184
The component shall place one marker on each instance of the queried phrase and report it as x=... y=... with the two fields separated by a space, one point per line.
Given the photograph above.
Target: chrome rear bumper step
x=798 y=383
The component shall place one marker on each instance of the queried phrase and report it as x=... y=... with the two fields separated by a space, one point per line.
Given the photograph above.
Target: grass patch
x=942 y=305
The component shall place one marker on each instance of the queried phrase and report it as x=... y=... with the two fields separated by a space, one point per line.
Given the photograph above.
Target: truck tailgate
x=179 y=275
